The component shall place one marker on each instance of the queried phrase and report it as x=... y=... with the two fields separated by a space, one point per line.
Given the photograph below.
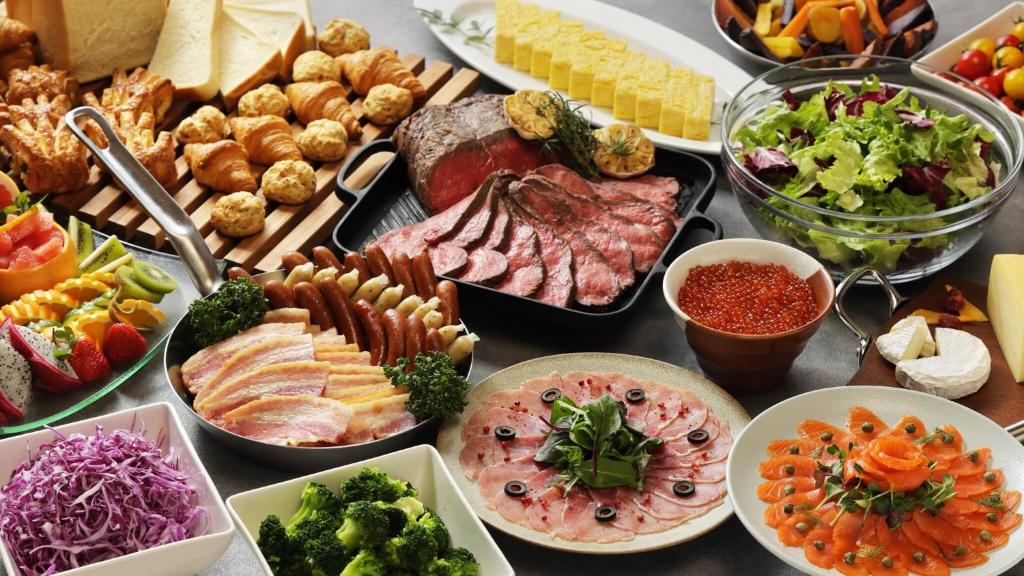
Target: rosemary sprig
x=572 y=134
x=474 y=33
x=620 y=146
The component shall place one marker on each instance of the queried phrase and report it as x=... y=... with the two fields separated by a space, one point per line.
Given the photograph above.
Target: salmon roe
x=747 y=298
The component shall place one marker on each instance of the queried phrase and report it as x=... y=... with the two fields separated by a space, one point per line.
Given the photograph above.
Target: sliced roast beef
x=486 y=263
x=451 y=149
x=596 y=282
x=558 y=285
x=470 y=219
x=525 y=273
x=448 y=259
x=660 y=190
x=549 y=201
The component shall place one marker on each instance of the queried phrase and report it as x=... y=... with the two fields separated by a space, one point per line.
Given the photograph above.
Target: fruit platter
x=375 y=288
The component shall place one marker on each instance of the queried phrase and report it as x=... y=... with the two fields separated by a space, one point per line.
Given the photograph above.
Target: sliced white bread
x=246 y=60
x=300 y=7
x=282 y=28
x=188 y=51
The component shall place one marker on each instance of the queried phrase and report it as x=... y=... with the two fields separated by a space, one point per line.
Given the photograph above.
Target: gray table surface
x=829 y=359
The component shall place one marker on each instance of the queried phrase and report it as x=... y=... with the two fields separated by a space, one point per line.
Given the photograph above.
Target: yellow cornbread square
x=675 y=101
x=653 y=75
x=624 y=107
x=698 y=121
x=545 y=48
x=581 y=77
x=602 y=93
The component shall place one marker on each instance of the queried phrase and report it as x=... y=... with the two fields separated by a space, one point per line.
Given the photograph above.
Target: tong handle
x=141 y=185
x=896 y=300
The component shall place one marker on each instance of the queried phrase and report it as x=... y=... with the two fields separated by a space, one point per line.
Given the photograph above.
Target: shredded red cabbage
x=85 y=499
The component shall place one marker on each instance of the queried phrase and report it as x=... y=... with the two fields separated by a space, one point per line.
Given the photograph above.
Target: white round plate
x=890 y=404
x=725 y=407
x=642 y=34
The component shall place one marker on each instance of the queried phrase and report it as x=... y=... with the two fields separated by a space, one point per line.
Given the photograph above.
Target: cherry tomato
x=986 y=45
x=1011 y=104
x=1013 y=84
x=1009 y=56
x=1000 y=73
x=972 y=64
x=1018 y=28
x=1007 y=40
x=991 y=85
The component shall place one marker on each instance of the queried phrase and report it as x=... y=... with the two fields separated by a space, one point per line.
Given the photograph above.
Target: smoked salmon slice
x=776 y=490
x=787 y=466
x=864 y=424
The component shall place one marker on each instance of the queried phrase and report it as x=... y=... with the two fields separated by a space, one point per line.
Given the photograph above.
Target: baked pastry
x=222 y=166
x=32 y=110
x=343 y=36
x=206 y=125
x=267 y=139
x=141 y=88
x=35 y=80
x=268 y=99
x=323 y=141
x=368 y=68
x=289 y=182
x=239 y=214
x=18 y=58
x=319 y=100
x=133 y=120
x=387 y=104
x=49 y=158
x=315 y=66
x=14 y=33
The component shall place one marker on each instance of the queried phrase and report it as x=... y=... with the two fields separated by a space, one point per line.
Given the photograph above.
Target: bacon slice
x=291 y=420
x=378 y=419
x=284 y=379
x=205 y=363
x=345 y=357
x=274 y=350
x=290 y=315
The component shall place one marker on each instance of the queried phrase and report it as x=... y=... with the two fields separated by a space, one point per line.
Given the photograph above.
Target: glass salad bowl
x=896 y=232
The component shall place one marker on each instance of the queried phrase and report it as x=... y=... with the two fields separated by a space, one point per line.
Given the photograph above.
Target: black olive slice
x=684 y=488
x=605 y=513
x=635 y=395
x=515 y=488
x=550 y=395
x=698 y=436
x=504 y=433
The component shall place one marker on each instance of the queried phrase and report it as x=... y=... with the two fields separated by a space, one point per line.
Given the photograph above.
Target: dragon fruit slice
x=53 y=375
x=15 y=382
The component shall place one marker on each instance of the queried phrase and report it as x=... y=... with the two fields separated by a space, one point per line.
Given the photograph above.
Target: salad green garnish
x=435 y=388
x=235 y=306
x=874 y=151
x=596 y=445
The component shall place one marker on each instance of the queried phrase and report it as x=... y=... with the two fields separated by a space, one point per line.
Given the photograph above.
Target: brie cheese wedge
x=961 y=368
x=928 y=348
x=903 y=344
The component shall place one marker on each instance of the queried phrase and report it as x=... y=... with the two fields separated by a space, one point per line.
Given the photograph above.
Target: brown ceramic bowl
x=742 y=363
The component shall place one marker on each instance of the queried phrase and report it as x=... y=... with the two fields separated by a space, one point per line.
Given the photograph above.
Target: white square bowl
x=176 y=559
x=421 y=465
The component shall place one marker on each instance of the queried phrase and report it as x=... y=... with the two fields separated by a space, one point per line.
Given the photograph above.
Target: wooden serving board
x=1001 y=398
x=107 y=208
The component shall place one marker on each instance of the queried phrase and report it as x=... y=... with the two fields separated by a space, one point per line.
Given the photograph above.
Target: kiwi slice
x=81 y=235
x=107 y=252
x=153 y=278
x=125 y=260
x=128 y=288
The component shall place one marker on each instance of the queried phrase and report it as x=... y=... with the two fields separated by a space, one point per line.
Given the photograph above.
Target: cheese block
x=300 y=7
x=698 y=121
x=91 y=38
x=928 y=348
x=281 y=28
x=903 y=344
x=246 y=61
x=506 y=14
x=1006 y=309
x=676 y=101
x=961 y=368
x=188 y=51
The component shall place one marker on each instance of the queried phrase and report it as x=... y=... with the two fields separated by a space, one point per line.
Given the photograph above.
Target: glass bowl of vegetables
x=870 y=161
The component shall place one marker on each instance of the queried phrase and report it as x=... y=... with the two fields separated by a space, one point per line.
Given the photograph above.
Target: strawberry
x=123 y=344
x=89 y=363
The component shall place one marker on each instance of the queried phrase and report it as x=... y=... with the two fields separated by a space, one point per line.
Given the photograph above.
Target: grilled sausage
x=423 y=273
x=394 y=326
x=373 y=326
x=324 y=258
x=344 y=319
x=279 y=295
x=415 y=337
x=378 y=263
x=402 y=267
x=434 y=341
x=309 y=297
x=234 y=273
x=356 y=261
x=449 y=295
x=292 y=259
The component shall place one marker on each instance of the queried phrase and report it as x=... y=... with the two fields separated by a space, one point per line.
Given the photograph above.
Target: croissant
x=50 y=160
x=266 y=138
x=141 y=86
x=32 y=110
x=222 y=166
x=368 y=68
x=18 y=58
x=322 y=100
x=35 y=80
x=14 y=33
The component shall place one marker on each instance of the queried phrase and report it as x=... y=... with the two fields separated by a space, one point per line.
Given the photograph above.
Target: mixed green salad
x=873 y=151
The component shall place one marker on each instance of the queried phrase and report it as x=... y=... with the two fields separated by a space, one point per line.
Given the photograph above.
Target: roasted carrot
x=902 y=9
x=797 y=25
x=732 y=9
x=824 y=24
x=853 y=34
x=876 y=18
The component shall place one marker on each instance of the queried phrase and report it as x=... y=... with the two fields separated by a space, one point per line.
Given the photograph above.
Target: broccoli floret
x=322 y=553
x=413 y=508
x=281 y=553
x=316 y=500
x=437 y=530
x=366 y=563
x=413 y=549
x=458 y=562
x=366 y=524
x=373 y=484
x=435 y=388
x=397 y=518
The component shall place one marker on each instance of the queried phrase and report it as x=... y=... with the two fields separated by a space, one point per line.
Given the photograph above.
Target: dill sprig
x=572 y=134
x=474 y=33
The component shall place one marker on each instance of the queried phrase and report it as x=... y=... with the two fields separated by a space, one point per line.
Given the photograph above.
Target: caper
x=788 y=508
x=959 y=551
x=826 y=437
x=887 y=562
x=849 y=557
x=789 y=470
x=947 y=438
x=986 y=536
x=973 y=456
x=794 y=449
x=910 y=428
x=918 y=557
x=992 y=517
x=990 y=476
x=801 y=527
x=867 y=427
x=789 y=490
x=819 y=545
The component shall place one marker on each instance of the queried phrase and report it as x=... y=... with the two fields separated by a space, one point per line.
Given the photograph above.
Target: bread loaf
x=300 y=7
x=246 y=60
x=189 y=49
x=281 y=28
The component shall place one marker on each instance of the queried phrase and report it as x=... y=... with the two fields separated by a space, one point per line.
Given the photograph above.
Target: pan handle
x=896 y=300
x=695 y=221
x=355 y=163
x=154 y=199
